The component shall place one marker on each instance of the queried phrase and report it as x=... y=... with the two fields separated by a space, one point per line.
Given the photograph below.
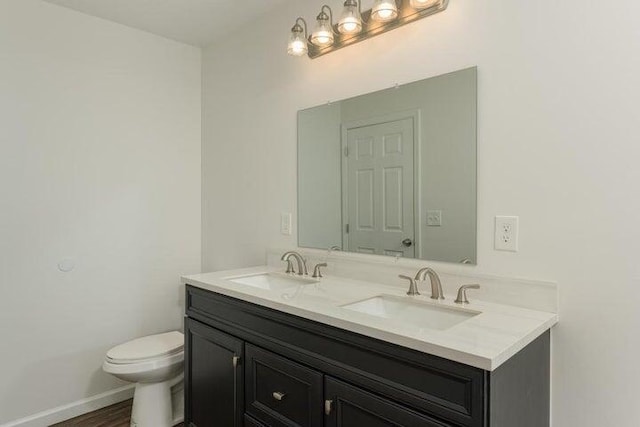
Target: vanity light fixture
x=351 y=20
x=322 y=35
x=356 y=25
x=298 y=39
x=384 y=10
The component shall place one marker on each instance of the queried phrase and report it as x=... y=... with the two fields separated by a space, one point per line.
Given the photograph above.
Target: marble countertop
x=484 y=341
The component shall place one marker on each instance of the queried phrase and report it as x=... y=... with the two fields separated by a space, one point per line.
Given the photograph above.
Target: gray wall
x=319 y=208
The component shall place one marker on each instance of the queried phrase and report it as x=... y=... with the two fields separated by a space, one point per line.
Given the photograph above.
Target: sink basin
x=272 y=281
x=417 y=313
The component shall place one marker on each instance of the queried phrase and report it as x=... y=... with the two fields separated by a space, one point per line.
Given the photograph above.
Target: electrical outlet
x=434 y=218
x=506 y=233
x=285 y=223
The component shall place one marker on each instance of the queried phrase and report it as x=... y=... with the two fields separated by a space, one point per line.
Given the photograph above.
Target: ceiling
x=195 y=22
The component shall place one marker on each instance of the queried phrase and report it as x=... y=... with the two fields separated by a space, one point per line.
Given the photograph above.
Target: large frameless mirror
x=392 y=172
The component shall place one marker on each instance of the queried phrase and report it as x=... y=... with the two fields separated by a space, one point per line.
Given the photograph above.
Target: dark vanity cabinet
x=248 y=365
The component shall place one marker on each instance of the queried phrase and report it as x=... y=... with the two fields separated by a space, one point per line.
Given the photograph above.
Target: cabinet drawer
x=280 y=392
x=350 y=406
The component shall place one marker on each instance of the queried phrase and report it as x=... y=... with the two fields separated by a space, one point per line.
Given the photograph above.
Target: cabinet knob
x=278 y=395
x=327 y=406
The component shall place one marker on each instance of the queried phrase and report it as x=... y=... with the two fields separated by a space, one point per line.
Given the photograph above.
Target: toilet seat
x=149 y=348
x=119 y=367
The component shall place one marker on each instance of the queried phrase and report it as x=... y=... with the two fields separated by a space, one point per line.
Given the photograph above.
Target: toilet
x=155 y=364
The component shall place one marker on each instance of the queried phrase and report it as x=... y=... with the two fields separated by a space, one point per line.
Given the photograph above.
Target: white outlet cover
x=506 y=233
x=285 y=223
x=434 y=218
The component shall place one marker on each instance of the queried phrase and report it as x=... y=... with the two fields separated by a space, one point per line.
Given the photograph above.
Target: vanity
x=266 y=348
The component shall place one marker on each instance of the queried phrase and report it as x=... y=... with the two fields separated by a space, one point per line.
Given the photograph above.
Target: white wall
x=557 y=145
x=99 y=162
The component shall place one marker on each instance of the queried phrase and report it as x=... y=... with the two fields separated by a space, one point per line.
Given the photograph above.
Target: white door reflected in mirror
x=378 y=188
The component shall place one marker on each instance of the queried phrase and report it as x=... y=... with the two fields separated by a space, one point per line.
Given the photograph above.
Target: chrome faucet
x=302 y=264
x=436 y=286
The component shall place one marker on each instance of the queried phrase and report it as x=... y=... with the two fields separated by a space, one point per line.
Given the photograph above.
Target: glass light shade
x=384 y=10
x=422 y=4
x=323 y=34
x=297 y=44
x=350 y=22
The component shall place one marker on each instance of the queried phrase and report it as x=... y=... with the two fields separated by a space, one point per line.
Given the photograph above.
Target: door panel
x=379 y=187
x=213 y=380
x=364 y=201
x=392 y=195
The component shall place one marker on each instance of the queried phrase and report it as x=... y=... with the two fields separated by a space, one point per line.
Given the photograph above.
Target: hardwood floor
x=118 y=415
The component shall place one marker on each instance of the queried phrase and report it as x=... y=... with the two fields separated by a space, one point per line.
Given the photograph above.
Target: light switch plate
x=434 y=218
x=506 y=233
x=285 y=223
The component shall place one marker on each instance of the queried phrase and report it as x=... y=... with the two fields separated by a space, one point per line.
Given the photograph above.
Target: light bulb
x=349 y=27
x=422 y=4
x=350 y=22
x=384 y=10
x=297 y=48
x=322 y=38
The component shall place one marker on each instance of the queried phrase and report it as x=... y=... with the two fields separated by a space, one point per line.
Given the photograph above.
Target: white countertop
x=484 y=341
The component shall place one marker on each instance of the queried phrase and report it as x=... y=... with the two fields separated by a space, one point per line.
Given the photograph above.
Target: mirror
x=392 y=172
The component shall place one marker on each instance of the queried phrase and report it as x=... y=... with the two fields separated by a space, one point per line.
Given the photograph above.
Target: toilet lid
x=148 y=347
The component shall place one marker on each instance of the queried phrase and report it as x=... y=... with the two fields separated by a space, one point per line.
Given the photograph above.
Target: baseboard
x=75 y=409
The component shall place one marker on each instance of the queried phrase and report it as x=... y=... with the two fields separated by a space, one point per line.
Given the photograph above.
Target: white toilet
x=155 y=364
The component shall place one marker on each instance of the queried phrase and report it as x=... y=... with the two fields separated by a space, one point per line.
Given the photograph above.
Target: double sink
x=413 y=310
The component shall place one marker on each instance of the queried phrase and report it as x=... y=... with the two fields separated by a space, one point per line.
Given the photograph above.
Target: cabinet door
x=213 y=377
x=348 y=406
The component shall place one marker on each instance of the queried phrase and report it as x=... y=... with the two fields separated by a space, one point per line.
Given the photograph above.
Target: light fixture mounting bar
x=371 y=28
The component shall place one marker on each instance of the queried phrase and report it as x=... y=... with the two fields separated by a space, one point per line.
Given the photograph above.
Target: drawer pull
x=278 y=396
x=327 y=407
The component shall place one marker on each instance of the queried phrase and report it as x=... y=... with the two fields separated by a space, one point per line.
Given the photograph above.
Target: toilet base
x=157 y=405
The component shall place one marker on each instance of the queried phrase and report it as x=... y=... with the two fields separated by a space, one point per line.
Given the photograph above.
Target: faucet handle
x=316 y=270
x=413 y=288
x=462 y=293
x=289 y=267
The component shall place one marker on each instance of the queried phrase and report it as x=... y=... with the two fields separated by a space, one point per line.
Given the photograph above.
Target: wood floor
x=117 y=415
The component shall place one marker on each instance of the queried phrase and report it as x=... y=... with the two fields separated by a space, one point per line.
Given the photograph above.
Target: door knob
x=407 y=242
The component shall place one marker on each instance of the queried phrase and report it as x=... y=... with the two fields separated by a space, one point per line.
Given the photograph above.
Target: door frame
x=413 y=114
